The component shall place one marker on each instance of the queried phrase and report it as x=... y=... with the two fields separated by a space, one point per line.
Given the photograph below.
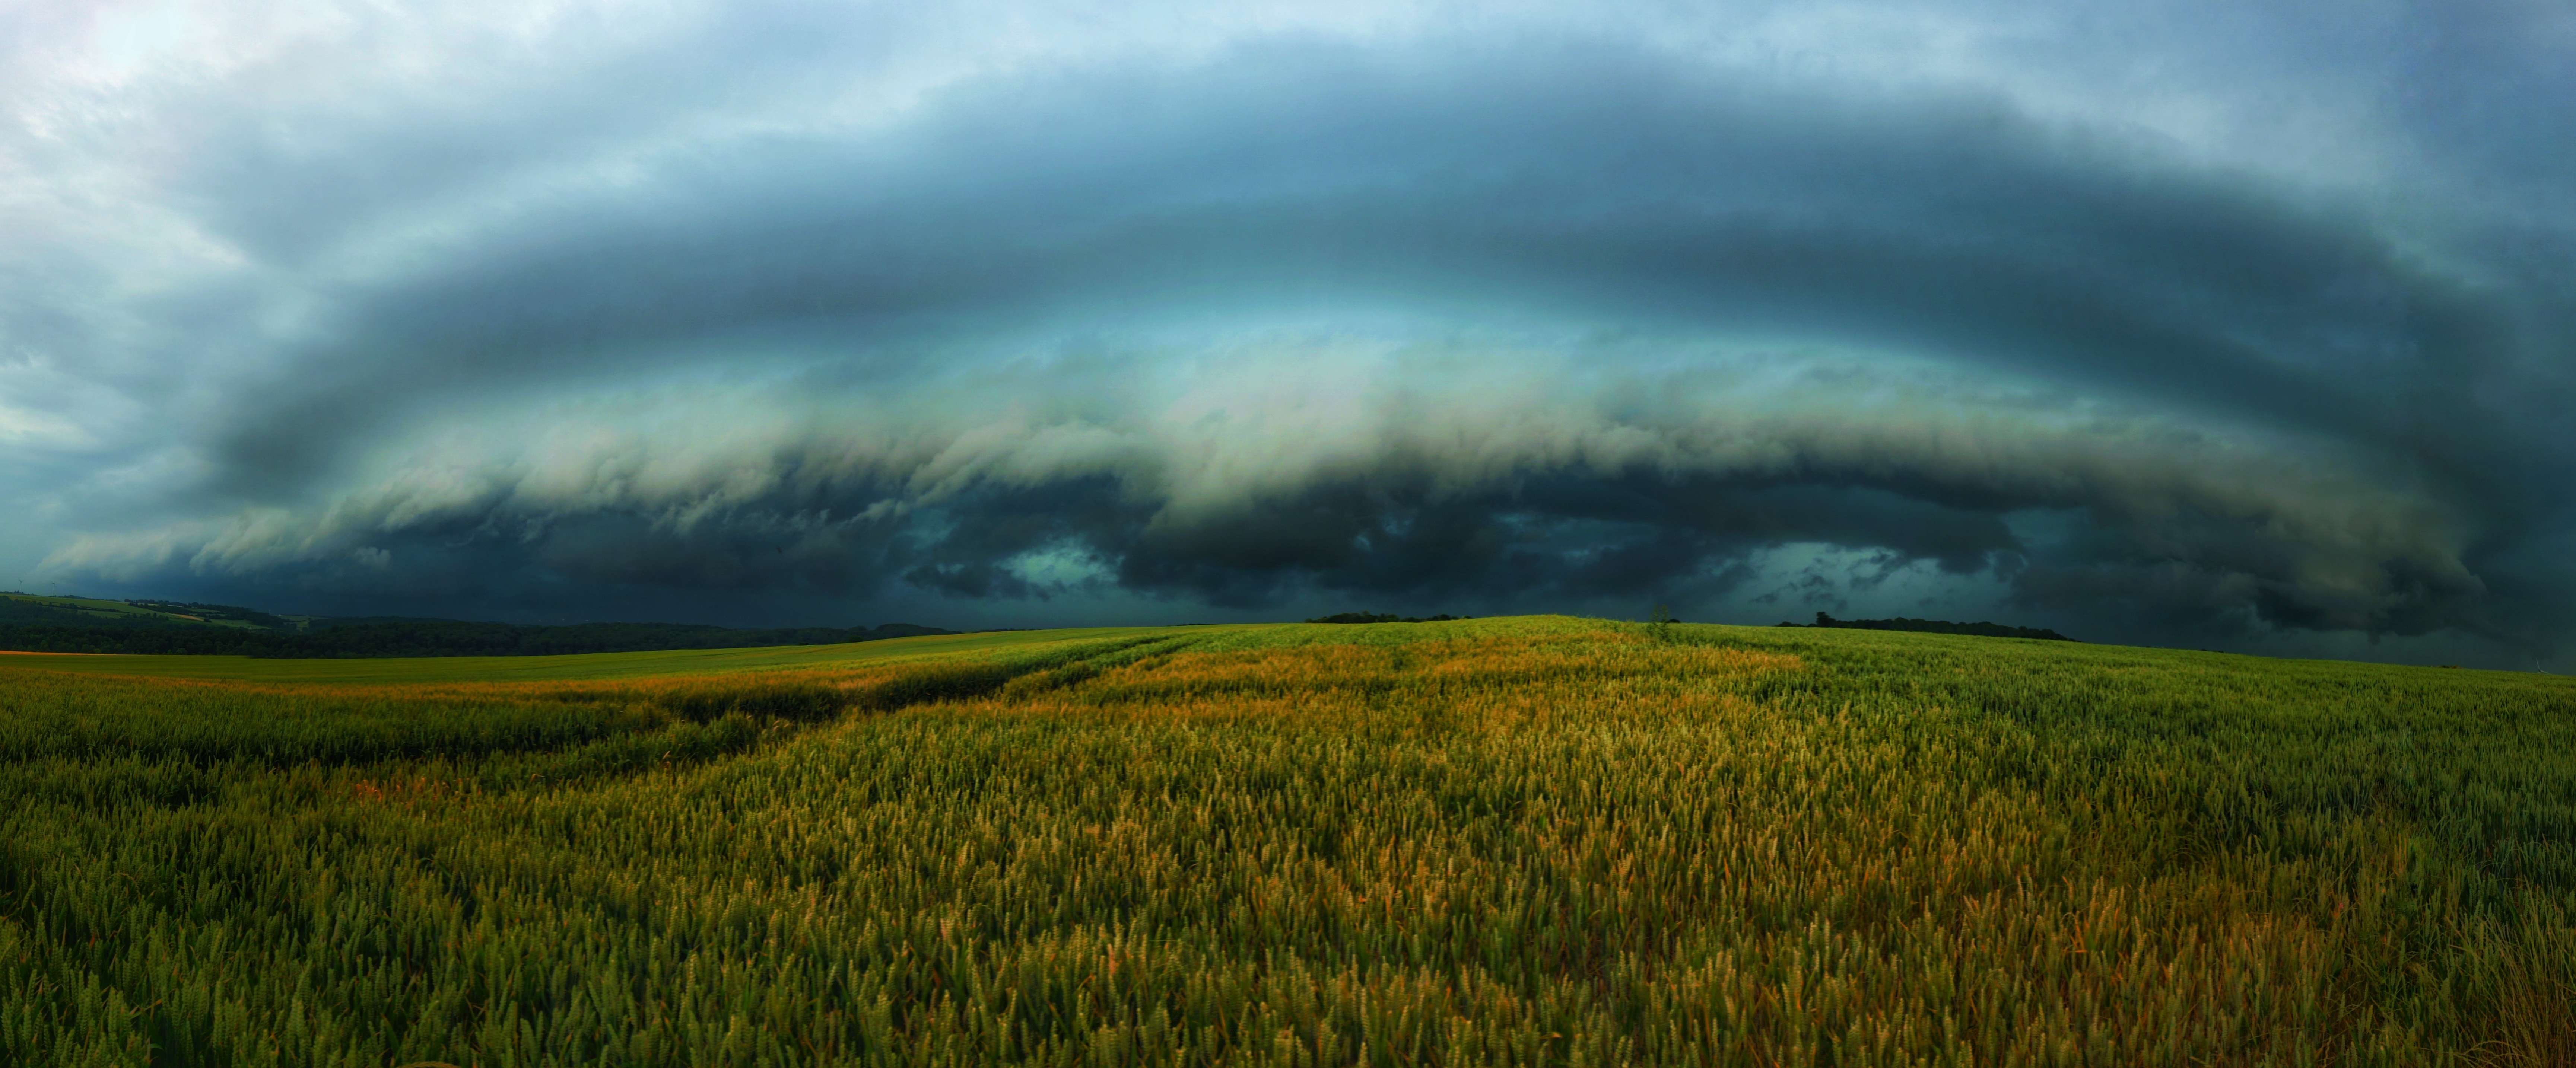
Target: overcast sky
x=2227 y=324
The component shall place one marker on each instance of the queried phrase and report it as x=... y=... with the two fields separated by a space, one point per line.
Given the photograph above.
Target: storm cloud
x=2223 y=326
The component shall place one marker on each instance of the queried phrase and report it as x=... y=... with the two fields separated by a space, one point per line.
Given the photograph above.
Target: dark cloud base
x=1538 y=540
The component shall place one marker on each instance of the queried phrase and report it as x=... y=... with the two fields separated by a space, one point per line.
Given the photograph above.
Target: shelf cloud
x=2126 y=324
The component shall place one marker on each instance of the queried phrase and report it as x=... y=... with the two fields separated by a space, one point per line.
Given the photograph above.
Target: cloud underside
x=1520 y=483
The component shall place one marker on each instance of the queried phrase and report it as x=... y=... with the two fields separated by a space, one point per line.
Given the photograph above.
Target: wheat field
x=1526 y=841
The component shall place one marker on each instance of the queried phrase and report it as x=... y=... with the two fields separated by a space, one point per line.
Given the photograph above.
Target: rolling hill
x=27 y=609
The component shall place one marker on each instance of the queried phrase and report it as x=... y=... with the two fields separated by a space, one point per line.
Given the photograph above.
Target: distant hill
x=1934 y=626
x=447 y=637
x=27 y=609
x=31 y=623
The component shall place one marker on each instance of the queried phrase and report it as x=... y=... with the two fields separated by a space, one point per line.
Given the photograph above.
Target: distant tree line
x=140 y=638
x=425 y=637
x=1934 y=626
x=1380 y=617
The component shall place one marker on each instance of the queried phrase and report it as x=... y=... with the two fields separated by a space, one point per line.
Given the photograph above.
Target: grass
x=1518 y=841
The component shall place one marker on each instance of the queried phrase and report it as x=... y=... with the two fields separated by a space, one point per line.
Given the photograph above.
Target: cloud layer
x=1036 y=306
